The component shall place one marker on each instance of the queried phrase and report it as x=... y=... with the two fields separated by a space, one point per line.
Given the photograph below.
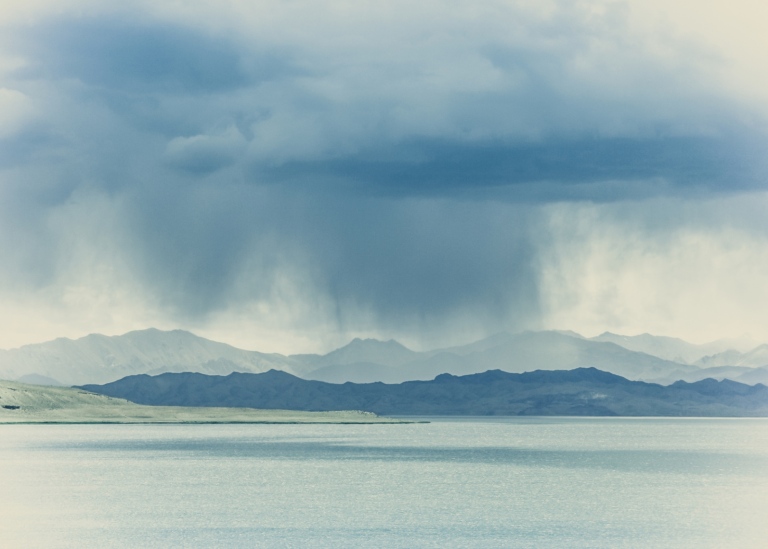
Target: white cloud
x=732 y=33
x=688 y=271
x=92 y=287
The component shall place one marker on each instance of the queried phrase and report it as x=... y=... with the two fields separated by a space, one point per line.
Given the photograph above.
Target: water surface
x=531 y=482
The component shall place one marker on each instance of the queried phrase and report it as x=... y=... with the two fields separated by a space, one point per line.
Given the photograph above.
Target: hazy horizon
x=746 y=341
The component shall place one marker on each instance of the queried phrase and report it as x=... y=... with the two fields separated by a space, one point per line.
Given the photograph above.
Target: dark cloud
x=189 y=241
x=555 y=169
x=543 y=129
x=427 y=259
x=133 y=56
x=402 y=260
x=409 y=187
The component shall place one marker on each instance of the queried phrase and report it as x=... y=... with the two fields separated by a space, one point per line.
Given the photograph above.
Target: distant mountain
x=357 y=372
x=742 y=374
x=502 y=338
x=386 y=353
x=753 y=359
x=754 y=375
x=557 y=350
x=34 y=379
x=425 y=367
x=579 y=392
x=521 y=352
x=670 y=348
x=98 y=358
x=726 y=358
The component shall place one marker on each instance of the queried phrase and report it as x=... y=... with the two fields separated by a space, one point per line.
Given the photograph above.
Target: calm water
x=469 y=483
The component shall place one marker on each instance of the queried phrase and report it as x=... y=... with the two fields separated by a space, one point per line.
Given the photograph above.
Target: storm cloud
x=287 y=175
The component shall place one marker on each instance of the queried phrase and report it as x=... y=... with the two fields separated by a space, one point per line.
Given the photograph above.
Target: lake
x=468 y=482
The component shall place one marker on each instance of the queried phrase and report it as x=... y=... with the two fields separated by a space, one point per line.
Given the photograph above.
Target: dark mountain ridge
x=578 y=392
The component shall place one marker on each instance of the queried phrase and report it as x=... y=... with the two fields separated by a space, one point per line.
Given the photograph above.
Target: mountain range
x=578 y=392
x=100 y=359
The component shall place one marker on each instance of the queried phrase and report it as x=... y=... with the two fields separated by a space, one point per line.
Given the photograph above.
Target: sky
x=287 y=175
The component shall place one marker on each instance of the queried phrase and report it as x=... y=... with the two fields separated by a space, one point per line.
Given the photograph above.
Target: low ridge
x=582 y=391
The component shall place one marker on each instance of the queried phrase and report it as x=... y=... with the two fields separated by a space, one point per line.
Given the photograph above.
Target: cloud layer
x=285 y=175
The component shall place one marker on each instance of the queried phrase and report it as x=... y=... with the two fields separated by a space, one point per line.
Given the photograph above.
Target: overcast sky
x=286 y=175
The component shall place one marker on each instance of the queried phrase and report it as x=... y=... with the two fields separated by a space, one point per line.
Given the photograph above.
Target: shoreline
x=24 y=404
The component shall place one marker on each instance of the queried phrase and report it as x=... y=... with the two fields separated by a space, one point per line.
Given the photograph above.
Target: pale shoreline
x=23 y=404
